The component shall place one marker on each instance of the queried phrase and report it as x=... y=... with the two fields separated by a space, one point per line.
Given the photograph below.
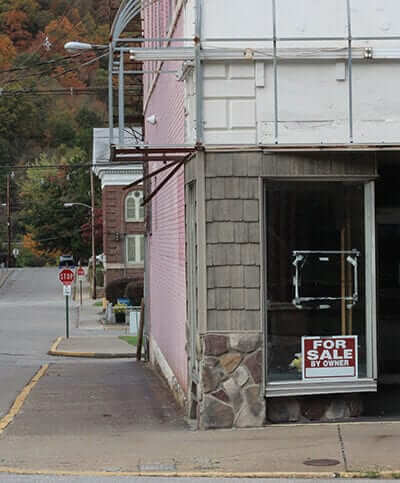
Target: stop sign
x=81 y=272
x=66 y=276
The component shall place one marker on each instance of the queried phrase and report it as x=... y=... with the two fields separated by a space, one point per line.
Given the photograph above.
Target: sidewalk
x=118 y=417
x=89 y=336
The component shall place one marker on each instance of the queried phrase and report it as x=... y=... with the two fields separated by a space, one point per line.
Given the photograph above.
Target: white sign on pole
x=67 y=290
x=134 y=320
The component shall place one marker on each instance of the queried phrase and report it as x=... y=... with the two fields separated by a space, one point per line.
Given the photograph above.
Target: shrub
x=119 y=309
x=117 y=289
x=134 y=291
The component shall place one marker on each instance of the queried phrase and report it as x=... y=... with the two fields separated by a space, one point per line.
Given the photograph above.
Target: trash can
x=134 y=320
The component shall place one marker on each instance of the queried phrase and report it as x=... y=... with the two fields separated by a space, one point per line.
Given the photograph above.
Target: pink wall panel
x=167 y=242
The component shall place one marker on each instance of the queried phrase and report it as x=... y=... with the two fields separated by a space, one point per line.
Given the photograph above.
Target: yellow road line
x=19 y=401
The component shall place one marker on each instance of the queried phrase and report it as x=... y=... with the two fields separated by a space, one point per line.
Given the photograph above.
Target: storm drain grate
x=321 y=462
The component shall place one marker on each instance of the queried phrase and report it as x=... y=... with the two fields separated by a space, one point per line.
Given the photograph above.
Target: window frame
x=137 y=201
x=137 y=237
x=369 y=383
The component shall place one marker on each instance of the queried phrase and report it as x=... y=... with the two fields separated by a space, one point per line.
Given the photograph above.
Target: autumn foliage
x=44 y=122
x=33 y=247
x=7 y=52
x=41 y=28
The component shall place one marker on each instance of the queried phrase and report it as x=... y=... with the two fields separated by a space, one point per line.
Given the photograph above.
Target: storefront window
x=315 y=270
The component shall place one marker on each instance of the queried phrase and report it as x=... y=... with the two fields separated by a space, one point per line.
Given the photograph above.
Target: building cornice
x=118 y=175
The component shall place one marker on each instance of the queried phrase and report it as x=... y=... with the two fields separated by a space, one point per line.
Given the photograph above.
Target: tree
x=86 y=120
x=51 y=225
x=31 y=256
x=22 y=128
x=16 y=27
x=7 y=52
x=62 y=130
x=51 y=129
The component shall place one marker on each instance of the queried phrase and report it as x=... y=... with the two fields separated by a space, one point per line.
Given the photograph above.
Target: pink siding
x=167 y=242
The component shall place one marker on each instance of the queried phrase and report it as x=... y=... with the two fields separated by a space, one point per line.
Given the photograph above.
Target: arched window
x=133 y=209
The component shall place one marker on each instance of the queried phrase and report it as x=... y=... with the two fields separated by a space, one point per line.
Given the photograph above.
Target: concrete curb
x=206 y=474
x=94 y=355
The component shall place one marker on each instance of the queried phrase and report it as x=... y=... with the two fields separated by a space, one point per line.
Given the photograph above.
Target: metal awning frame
x=172 y=157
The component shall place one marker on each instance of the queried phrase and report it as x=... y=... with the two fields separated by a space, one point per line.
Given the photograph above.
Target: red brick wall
x=114 y=222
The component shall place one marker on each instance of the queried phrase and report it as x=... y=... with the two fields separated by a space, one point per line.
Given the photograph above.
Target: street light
x=86 y=46
x=68 y=205
x=91 y=208
x=76 y=46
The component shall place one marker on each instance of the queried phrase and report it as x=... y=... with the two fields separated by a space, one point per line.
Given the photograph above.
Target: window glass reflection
x=315 y=269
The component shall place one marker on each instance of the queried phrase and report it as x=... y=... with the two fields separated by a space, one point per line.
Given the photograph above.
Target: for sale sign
x=329 y=357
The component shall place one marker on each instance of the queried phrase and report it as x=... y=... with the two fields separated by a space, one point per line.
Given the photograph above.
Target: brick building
x=123 y=215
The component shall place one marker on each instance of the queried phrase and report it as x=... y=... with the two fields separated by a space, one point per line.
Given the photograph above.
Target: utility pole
x=93 y=235
x=9 y=220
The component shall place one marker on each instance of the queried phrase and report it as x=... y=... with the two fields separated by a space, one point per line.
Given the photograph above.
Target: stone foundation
x=231 y=376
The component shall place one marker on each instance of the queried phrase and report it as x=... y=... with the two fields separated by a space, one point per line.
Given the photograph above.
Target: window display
x=315 y=271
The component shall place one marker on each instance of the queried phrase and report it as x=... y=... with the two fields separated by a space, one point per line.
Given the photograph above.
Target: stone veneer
x=231 y=377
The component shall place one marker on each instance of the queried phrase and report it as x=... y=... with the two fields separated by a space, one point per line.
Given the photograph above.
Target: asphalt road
x=32 y=314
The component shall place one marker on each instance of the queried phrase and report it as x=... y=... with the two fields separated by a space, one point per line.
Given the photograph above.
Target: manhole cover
x=321 y=462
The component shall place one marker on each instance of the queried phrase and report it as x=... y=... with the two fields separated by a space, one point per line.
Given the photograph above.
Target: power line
x=60 y=237
x=48 y=71
x=15 y=69
x=82 y=65
x=59 y=64
x=65 y=14
x=69 y=91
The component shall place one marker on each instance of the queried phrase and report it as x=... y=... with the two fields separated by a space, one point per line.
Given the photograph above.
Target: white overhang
x=112 y=173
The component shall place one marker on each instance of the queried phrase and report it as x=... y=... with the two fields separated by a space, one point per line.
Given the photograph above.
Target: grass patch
x=131 y=339
x=98 y=304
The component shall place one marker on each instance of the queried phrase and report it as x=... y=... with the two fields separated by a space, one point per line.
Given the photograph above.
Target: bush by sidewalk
x=119 y=288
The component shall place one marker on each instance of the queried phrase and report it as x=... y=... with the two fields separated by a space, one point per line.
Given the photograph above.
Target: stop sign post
x=66 y=277
x=81 y=273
